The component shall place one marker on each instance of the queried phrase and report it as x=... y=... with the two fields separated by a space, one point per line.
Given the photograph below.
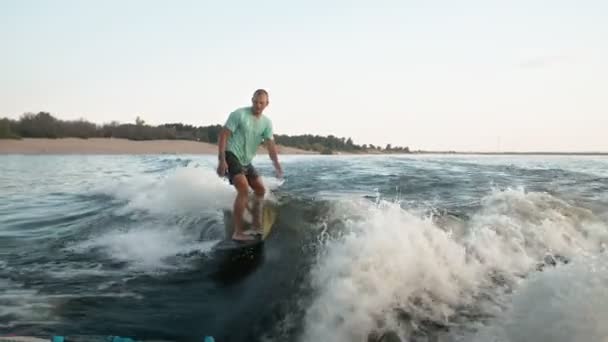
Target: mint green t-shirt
x=248 y=132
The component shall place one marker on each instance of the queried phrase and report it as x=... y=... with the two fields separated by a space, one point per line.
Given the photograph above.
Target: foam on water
x=566 y=303
x=145 y=248
x=515 y=229
x=389 y=258
x=385 y=261
x=183 y=191
x=187 y=193
x=72 y=270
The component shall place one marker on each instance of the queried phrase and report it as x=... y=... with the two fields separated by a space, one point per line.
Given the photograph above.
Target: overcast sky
x=460 y=75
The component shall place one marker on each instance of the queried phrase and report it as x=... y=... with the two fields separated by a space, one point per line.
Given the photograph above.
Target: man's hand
x=274 y=156
x=222 y=167
x=279 y=172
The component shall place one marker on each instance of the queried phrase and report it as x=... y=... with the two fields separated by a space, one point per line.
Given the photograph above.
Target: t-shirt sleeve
x=268 y=134
x=233 y=121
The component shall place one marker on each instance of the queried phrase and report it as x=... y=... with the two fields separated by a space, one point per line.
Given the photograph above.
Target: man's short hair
x=260 y=92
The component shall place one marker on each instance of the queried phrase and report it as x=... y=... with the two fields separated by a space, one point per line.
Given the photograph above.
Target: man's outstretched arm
x=221 y=151
x=274 y=156
x=222 y=141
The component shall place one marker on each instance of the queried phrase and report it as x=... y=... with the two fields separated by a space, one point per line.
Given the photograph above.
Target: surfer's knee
x=258 y=187
x=260 y=191
x=240 y=183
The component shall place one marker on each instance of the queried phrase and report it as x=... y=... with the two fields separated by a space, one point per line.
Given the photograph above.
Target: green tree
x=5 y=129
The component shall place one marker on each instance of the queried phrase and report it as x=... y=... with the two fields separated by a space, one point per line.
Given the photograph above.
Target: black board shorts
x=235 y=167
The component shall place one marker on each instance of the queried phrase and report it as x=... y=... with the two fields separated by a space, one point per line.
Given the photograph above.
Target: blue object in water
x=209 y=339
x=57 y=339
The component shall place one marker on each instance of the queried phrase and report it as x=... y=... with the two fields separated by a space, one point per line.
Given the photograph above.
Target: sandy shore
x=116 y=146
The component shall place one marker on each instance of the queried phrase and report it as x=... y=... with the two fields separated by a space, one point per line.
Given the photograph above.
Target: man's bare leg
x=258 y=188
x=240 y=204
x=258 y=206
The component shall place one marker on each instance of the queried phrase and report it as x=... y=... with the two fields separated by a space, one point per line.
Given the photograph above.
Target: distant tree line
x=44 y=125
x=331 y=143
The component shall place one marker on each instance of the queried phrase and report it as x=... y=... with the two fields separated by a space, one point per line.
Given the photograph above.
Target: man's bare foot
x=254 y=231
x=257 y=230
x=242 y=237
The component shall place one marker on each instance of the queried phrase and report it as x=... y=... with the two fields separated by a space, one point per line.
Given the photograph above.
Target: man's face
x=259 y=102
